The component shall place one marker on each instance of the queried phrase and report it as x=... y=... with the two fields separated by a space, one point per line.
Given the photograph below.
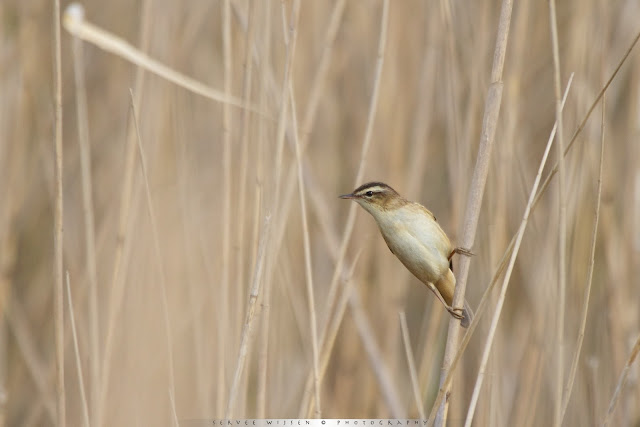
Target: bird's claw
x=456 y=312
x=461 y=251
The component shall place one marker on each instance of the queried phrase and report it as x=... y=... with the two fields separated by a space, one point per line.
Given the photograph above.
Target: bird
x=414 y=236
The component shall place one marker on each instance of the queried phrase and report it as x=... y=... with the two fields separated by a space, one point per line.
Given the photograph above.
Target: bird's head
x=376 y=197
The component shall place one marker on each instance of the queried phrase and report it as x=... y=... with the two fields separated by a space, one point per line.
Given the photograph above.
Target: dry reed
x=214 y=271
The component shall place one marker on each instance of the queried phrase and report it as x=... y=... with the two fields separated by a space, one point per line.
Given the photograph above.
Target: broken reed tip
x=74 y=12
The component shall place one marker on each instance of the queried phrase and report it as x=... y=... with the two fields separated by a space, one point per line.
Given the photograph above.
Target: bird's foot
x=456 y=312
x=461 y=251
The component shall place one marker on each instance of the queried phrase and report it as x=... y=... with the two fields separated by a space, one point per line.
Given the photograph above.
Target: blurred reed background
x=198 y=225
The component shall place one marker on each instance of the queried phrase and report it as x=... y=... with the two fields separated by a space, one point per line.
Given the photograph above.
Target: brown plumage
x=415 y=238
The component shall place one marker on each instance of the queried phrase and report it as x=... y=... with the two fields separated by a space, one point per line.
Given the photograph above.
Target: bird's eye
x=369 y=193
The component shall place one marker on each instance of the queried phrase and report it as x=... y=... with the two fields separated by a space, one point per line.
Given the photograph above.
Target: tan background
x=424 y=141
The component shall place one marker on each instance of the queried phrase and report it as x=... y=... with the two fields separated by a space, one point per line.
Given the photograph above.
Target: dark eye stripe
x=371 y=191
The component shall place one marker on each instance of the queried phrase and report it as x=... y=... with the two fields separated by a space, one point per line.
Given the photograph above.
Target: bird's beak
x=348 y=196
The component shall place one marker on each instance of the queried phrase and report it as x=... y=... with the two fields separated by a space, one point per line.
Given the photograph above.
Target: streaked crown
x=376 y=194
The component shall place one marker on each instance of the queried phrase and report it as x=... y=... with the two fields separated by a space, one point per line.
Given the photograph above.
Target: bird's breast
x=420 y=244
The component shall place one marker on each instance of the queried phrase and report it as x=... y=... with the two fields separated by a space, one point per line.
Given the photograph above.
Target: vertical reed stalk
x=476 y=191
x=225 y=285
x=505 y=282
x=587 y=293
x=413 y=374
x=562 y=226
x=89 y=227
x=58 y=220
x=76 y=352
x=307 y=254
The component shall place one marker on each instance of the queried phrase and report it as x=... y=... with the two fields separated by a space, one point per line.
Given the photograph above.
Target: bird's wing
x=425 y=210
x=387 y=242
x=425 y=226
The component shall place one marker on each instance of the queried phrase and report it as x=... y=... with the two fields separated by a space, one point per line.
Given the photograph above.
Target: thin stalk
x=291 y=38
x=58 y=239
x=158 y=256
x=88 y=214
x=380 y=369
x=244 y=148
x=621 y=383
x=225 y=284
x=76 y=351
x=172 y=404
x=248 y=323
x=432 y=324
x=444 y=385
x=422 y=115
x=127 y=211
x=78 y=27
x=412 y=364
x=562 y=226
x=320 y=77
x=307 y=254
x=481 y=306
x=263 y=347
x=329 y=337
x=480 y=310
x=373 y=104
x=37 y=369
x=585 y=306
x=316 y=92
x=507 y=277
x=265 y=321
x=334 y=322
x=583 y=123
x=476 y=192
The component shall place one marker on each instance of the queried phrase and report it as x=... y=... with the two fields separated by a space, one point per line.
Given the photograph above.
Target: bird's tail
x=467 y=314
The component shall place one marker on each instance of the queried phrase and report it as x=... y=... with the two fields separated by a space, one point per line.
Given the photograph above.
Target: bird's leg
x=461 y=251
x=454 y=311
